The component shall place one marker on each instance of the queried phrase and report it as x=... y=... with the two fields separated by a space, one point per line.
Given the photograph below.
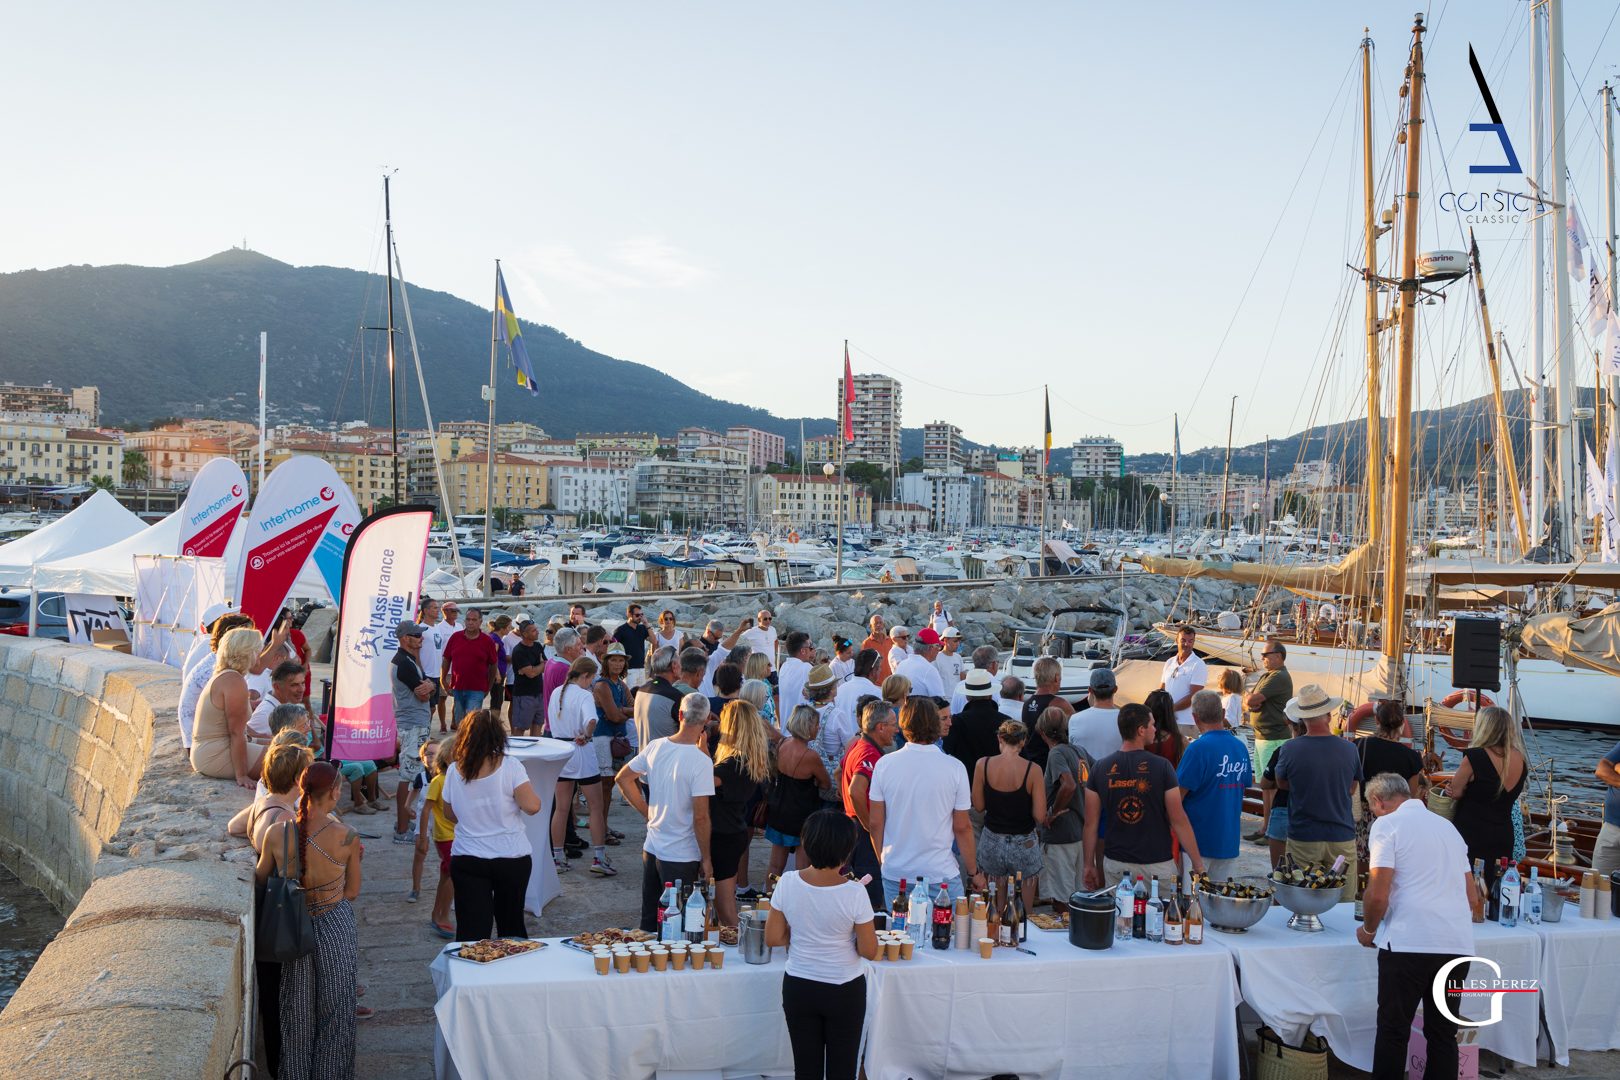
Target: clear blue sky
x=984 y=197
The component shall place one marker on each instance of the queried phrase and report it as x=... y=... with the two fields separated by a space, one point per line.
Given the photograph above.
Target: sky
x=1147 y=209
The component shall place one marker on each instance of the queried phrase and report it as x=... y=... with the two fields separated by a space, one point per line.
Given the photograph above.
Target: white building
x=1307 y=475
x=954 y=500
x=688 y=439
x=1097 y=456
x=875 y=416
x=942 y=446
x=589 y=487
x=710 y=489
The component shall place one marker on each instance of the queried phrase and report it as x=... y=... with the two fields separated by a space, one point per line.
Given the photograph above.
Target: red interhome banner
x=213 y=509
x=382 y=575
x=302 y=509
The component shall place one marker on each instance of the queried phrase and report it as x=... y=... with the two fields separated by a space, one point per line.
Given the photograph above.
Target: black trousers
x=824 y=1025
x=654 y=872
x=865 y=861
x=489 y=892
x=1404 y=979
x=268 y=973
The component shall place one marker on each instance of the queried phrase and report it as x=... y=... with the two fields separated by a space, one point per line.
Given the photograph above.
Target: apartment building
x=1097 y=456
x=593 y=486
x=707 y=488
x=810 y=499
x=366 y=468
x=942 y=445
x=520 y=482
x=52 y=399
x=954 y=500
x=875 y=417
x=821 y=448
x=174 y=456
x=586 y=443
x=762 y=447
x=1000 y=499
x=56 y=454
x=688 y=439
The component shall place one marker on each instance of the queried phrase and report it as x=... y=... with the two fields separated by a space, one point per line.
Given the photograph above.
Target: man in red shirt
x=855 y=776
x=469 y=659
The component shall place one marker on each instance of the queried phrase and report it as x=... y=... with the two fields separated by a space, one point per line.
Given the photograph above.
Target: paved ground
x=396 y=946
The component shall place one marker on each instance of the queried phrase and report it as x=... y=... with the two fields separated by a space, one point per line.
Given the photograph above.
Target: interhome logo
x=291 y=512
x=1495 y=987
x=206 y=512
x=1490 y=207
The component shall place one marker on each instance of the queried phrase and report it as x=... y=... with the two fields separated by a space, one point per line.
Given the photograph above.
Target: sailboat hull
x=1554 y=695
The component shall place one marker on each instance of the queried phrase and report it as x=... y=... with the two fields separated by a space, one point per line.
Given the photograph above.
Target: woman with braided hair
x=318 y=990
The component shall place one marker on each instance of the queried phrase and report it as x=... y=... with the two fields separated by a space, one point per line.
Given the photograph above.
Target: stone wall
x=100 y=809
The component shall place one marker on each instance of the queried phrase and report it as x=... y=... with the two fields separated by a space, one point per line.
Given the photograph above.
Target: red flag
x=849 y=399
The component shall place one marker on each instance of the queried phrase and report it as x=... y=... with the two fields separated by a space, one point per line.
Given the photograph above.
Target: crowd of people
x=896 y=759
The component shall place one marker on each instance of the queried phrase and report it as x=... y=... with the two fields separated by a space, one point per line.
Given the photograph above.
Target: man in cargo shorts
x=1263 y=712
x=413 y=719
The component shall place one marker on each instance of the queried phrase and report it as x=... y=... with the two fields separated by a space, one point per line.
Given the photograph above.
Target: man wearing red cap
x=919 y=666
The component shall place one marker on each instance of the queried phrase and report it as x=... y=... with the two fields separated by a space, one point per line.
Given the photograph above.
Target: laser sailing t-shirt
x=1132 y=785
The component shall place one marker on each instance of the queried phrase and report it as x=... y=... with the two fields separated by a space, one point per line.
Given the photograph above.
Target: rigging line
x=936 y=386
x=1599 y=50
x=1106 y=420
x=1282 y=213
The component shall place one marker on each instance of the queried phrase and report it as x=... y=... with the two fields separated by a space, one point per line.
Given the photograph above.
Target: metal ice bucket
x=751 y=938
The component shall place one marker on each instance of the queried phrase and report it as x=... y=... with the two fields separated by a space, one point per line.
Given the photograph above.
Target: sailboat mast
x=489 y=449
x=1226 y=478
x=1375 y=421
x=393 y=382
x=1538 y=270
x=1392 y=641
x=1563 y=343
x=1504 y=437
x=1609 y=233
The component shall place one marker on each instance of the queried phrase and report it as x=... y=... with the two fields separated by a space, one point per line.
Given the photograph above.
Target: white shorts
x=604 y=753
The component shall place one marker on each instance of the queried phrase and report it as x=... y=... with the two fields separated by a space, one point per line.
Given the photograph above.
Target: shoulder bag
x=285 y=931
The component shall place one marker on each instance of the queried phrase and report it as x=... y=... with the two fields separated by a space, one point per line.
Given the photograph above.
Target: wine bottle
x=1155 y=915
x=1194 y=931
x=671 y=930
x=1007 y=931
x=711 y=916
x=695 y=921
x=992 y=920
x=1020 y=914
x=1493 y=908
x=943 y=918
x=902 y=907
x=1510 y=894
x=1478 y=905
x=1139 y=900
x=666 y=901
x=1174 y=916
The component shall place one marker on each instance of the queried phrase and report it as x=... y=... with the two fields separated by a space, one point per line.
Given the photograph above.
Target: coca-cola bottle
x=943 y=913
x=1139 y=909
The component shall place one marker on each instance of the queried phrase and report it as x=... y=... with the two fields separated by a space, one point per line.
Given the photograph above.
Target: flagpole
x=1046 y=449
x=264 y=348
x=489 y=450
x=842 y=412
x=393 y=414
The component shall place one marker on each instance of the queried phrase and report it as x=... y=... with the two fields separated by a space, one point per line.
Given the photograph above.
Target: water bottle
x=1510 y=895
x=1155 y=915
x=1124 y=904
x=1532 y=898
x=921 y=920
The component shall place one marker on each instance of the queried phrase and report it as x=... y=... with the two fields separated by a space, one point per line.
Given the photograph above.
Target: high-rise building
x=1097 y=456
x=875 y=416
x=763 y=447
x=942 y=446
x=955 y=500
x=819 y=448
x=87 y=399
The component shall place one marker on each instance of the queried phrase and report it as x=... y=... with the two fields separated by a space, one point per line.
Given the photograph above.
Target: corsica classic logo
x=1490 y=206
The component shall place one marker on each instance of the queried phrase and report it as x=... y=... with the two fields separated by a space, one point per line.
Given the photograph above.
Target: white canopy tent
x=98 y=521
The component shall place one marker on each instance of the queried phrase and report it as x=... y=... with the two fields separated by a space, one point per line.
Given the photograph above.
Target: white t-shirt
x=1233 y=704
x=857 y=687
x=897 y=653
x=842 y=669
x=259 y=683
x=1096 y=731
x=762 y=641
x=950 y=668
x=790 y=682
x=195 y=680
x=201 y=647
x=1181 y=676
x=662 y=642
x=511 y=641
x=919 y=786
x=923 y=675
x=716 y=658
x=571 y=711
x=1428 y=900
x=823 y=921
x=1012 y=710
x=489 y=824
x=434 y=639
x=259 y=723
x=676 y=774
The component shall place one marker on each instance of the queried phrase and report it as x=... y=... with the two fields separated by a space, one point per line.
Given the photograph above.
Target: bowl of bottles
x=1307 y=902
x=1232 y=907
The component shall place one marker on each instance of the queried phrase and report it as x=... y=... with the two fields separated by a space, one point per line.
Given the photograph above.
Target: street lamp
x=827 y=470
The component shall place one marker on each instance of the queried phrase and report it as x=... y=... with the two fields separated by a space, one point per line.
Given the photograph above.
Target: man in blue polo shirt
x=1606 y=852
x=1213 y=774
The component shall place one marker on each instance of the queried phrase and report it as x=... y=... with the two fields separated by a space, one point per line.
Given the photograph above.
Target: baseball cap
x=525 y=617
x=926 y=636
x=978 y=684
x=951 y=632
x=410 y=629
x=1102 y=679
x=212 y=612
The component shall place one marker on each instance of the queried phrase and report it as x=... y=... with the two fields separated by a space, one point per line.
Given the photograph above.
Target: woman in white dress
x=666 y=636
x=572 y=714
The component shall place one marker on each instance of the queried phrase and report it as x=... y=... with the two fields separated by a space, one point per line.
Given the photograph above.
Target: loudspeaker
x=1476 y=654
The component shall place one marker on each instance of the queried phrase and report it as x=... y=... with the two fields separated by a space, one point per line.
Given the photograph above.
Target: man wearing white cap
x=919 y=666
x=1321 y=771
x=949 y=662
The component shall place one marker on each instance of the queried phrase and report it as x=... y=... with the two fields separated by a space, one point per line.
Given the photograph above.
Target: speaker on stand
x=1476 y=653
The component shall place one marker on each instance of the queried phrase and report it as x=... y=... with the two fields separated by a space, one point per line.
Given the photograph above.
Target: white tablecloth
x=1328 y=983
x=544 y=759
x=1133 y=1010
x=550 y=1014
x=1580 y=982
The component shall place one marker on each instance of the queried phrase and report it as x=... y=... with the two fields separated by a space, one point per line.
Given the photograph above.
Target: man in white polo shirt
x=919 y=666
x=790 y=681
x=1184 y=675
x=761 y=636
x=901 y=647
x=1417 y=912
x=917 y=804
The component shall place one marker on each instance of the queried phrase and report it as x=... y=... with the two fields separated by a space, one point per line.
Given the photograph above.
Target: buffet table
x=1327 y=983
x=1580 y=971
x=550 y=1014
x=1133 y=1010
x=544 y=760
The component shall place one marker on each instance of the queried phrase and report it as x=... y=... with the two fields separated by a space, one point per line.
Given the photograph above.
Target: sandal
x=363 y=1012
x=612 y=841
x=442 y=931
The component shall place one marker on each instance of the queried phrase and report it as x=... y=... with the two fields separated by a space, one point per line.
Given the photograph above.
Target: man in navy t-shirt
x=1214 y=771
x=1606 y=852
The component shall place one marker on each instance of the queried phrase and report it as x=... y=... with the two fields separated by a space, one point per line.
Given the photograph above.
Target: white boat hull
x=1553 y=694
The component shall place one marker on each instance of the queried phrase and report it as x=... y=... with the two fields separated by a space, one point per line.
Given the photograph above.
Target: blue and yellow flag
x=513 y=337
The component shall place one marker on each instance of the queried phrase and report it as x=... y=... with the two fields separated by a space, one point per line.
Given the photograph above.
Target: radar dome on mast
x=1441 y=266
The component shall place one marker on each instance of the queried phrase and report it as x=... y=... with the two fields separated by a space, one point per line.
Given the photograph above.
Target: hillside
x=183 y=340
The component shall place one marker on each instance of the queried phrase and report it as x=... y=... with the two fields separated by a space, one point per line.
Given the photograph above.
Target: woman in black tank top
x=1010 y=792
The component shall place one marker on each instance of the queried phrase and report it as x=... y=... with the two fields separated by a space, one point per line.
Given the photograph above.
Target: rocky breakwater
x=985 y=612
x=100 y=809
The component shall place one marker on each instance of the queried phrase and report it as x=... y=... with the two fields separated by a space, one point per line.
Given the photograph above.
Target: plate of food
x=610 y=936
x=1052 y=924
x=492 y=950
x=728 y=936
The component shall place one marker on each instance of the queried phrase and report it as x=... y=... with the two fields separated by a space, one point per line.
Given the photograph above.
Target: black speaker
x=1476 y=654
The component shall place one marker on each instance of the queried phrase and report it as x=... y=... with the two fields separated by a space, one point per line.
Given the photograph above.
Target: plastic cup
x=906 y=946
x=641 y=960
x=622 y=962
x=985 y=947
x=660 y=958
x=717 y=956
x=603 y=962
x=891 y=950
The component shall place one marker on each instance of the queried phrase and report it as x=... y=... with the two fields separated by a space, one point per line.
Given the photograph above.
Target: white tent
x=94 y=523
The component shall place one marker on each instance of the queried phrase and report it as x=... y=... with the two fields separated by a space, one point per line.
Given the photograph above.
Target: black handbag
x=285 y=931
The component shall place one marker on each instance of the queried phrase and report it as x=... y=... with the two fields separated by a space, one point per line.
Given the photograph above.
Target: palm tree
x=103 y=482
x=135 y=468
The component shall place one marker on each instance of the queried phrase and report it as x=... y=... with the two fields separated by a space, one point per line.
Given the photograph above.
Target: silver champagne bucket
x=751 y=938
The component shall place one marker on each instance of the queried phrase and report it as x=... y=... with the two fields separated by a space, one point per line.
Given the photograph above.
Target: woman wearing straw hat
x=1321 y=772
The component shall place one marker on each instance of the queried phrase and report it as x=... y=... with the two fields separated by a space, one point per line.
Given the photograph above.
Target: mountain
x=184 y=341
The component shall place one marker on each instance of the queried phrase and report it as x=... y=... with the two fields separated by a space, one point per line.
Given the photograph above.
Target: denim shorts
x=1277 y=828
x=467 y=701
x=781 y=839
